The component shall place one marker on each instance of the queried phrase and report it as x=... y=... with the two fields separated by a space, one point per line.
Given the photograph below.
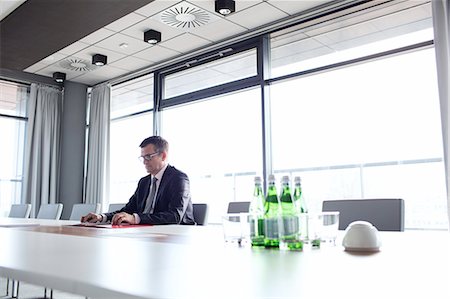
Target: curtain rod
x=29 y=82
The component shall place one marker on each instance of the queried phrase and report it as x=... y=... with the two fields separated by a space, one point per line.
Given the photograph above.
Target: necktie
x=151 y=198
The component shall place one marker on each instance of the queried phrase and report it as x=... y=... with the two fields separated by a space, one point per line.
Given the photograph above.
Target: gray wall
x=73 y=133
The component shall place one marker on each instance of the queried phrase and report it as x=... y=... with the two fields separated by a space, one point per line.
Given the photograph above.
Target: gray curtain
x=441 y=23
x=42 y=148
x=97 y=170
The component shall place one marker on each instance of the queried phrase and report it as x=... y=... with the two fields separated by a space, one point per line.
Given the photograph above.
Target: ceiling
x=31 y=42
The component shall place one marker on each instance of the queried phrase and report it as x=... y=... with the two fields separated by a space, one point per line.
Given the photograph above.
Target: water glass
x=236 y=228
x=323 y=228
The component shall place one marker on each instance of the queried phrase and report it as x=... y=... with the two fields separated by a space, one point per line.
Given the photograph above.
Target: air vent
x=77 y=64
x=186 y=16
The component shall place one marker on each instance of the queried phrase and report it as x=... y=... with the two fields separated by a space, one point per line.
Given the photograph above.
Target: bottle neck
x=297 y=192
x=257 y=191
x=286 y=193
x=272 y=195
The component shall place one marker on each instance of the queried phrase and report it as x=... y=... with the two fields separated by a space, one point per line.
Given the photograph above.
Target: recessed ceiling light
x=152 y=36
x=99 y=59
x=225 y=7
x=59 y=77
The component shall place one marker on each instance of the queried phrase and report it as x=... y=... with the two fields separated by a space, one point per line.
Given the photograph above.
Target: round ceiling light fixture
x=99 y=59
x=59 y=77
x=225 y=7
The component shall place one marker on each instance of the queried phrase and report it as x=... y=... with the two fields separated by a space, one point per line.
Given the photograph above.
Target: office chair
x=115 y=207
x=238 y=207
x=200 y=213
x=17 y=211
x=82 y=209
x=46 y=211
x=386 y=214
x=50 y=211
x=20 y=210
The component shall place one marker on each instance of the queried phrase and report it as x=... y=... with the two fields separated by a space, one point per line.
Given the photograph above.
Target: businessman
x=162 y=197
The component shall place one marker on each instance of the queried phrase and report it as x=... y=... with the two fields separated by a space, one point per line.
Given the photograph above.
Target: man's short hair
x=160 y=144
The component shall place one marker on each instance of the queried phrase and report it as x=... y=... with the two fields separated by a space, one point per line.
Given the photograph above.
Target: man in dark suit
x=162 y=197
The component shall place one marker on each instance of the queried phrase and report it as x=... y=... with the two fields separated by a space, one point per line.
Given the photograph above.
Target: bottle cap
x=285 y=179
x=297 y=179
x=271 y=178
x=258 y=180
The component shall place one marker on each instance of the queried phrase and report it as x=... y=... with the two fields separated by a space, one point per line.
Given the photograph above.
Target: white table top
x=194 y=262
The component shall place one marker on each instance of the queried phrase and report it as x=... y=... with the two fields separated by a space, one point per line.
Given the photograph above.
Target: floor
x=28 y=291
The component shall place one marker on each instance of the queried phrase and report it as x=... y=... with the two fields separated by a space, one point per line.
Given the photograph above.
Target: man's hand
x=122 y=217
x=91 y=217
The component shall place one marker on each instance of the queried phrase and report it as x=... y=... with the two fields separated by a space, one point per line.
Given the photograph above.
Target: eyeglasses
x=147 y=157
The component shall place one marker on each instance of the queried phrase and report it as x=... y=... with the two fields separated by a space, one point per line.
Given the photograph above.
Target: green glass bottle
x=290 y=230
x=271 y=214
x=298 y=196
x=257 y=215
x=302 y=208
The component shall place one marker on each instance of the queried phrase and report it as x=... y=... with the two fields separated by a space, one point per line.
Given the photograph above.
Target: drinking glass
x=236 y=228
x=323 y=228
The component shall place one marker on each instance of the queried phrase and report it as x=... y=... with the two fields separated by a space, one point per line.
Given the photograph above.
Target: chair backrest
x=386 y=214
x=82 y=209
x=115 y=206
x=238 y=207
x=50 y=211
x=20 y=210
x=200 y=213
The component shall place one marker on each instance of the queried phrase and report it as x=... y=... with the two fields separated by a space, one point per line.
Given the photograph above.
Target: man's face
x=156 y=162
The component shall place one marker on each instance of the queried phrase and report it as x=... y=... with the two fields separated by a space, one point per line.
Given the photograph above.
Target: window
x=126 y=133
x=132 y=97
x=224 y=70
x=217 y=143
x=13 y=101
x=351 y=36
x=350 y=105
x=366 y=131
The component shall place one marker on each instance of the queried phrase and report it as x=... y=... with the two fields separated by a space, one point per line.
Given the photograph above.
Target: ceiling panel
x=125 y=22
x=294 y=7
x=97 y=36
x=73 y=48
x=257 y=15
x=115 y=41
x=129 y=28
x=219 y=30
x=157 y=53
x=131 y=63
x=137 y=30
x=100 y=75
x=156 y=7
x=185 y=43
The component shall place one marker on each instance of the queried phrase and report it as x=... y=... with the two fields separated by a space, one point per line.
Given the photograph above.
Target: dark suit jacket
x=173 y=200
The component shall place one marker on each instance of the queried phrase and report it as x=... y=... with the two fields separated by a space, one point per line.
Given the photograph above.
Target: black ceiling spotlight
x=99 y=59
x=225 y=7
x=152 y=36
x=59 y=77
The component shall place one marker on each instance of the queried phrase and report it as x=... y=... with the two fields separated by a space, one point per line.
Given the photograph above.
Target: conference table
x=174 y=261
